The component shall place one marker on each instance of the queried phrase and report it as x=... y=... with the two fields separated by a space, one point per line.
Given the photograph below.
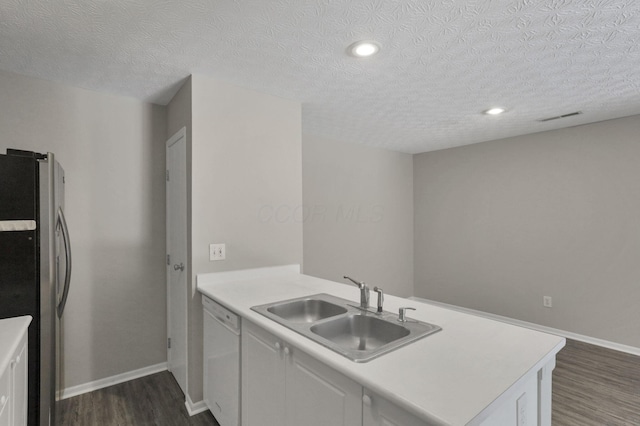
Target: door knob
x=177 y=267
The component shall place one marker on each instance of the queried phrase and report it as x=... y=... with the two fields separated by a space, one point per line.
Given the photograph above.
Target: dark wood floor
x=152 y=400
x=592 y=386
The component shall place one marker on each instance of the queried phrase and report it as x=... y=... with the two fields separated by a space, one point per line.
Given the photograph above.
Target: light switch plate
x=217 y=252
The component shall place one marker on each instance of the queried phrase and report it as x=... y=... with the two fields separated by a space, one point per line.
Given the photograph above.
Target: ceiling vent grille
x=571 y=114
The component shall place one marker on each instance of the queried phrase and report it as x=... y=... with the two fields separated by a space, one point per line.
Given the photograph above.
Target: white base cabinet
x=262 y=373
x=13 y=388
x=282 y=386
x=318 y=395
x=525 y=404
x=5 y=397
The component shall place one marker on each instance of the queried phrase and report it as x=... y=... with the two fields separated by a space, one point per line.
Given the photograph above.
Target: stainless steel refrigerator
x=35 y=266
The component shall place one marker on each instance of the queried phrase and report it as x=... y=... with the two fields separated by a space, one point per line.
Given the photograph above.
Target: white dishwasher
x=221 y=362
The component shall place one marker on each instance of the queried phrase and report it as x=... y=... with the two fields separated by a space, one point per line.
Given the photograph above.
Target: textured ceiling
x=442 y=62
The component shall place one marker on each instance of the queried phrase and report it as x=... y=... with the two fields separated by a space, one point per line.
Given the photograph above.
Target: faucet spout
x=364 y=292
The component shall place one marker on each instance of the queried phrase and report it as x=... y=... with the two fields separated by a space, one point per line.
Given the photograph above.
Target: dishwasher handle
x=221 y=314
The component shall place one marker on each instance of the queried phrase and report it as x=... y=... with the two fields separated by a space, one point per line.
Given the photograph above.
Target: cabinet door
x=519 y=406
x=318 y=395
x=263 y=393
x=19 y=386
x=376 y=411
x=5 y=413
x=5 y=400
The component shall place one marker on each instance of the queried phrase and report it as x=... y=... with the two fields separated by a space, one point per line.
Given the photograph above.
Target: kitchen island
x=475 y=371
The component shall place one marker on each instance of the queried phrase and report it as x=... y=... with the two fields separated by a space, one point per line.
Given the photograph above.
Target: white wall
x=245 y=159
x=112 y=149
x=500 y=224
x=358 y=214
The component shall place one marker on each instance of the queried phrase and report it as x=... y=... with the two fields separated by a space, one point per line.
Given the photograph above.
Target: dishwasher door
x=221 y=362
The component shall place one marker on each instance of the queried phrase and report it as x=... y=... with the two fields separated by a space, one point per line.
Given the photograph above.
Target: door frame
x=180 y=135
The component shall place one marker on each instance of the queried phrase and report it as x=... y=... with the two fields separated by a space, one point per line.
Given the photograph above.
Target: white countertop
x=11 y=330
x=455 y=376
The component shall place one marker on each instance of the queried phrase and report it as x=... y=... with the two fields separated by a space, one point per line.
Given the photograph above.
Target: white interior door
x=177 y=265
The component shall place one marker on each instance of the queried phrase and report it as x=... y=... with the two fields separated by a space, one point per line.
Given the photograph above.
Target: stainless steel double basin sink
x=340 y=325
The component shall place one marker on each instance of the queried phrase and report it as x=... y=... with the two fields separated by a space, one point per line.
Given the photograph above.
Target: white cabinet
x=527 y=403
x=377 y=411
x=5 y=399
x=263 y=396
x=319 y=395
x=13 y=387
x=19 y=385
x=284 y=386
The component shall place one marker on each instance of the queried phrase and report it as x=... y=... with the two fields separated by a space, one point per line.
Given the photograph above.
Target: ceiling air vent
x=571 y=114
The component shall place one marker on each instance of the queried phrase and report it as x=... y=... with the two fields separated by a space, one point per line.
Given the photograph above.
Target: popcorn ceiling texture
x=442 y=62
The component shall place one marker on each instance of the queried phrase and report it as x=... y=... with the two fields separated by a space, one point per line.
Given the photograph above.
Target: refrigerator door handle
x=67 y=248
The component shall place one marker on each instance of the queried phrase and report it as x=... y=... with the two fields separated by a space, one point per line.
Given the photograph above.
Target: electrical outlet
x=217 y=252
x=547 y=302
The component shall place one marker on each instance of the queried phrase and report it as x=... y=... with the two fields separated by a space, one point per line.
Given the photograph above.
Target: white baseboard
x=110 y=381
x=563 y=333
x=194 y=408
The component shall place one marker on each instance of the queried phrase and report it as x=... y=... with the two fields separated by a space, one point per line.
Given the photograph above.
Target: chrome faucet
x=380 y=299
x=364 y=292
x=402 y=313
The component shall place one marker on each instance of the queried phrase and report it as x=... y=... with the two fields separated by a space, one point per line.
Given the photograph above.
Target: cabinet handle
x=366 y=400
x=278 y=346
x=286 y=351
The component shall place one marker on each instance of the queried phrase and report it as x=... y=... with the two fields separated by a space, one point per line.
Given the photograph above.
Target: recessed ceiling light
x=494 y=111
x=362 y=49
